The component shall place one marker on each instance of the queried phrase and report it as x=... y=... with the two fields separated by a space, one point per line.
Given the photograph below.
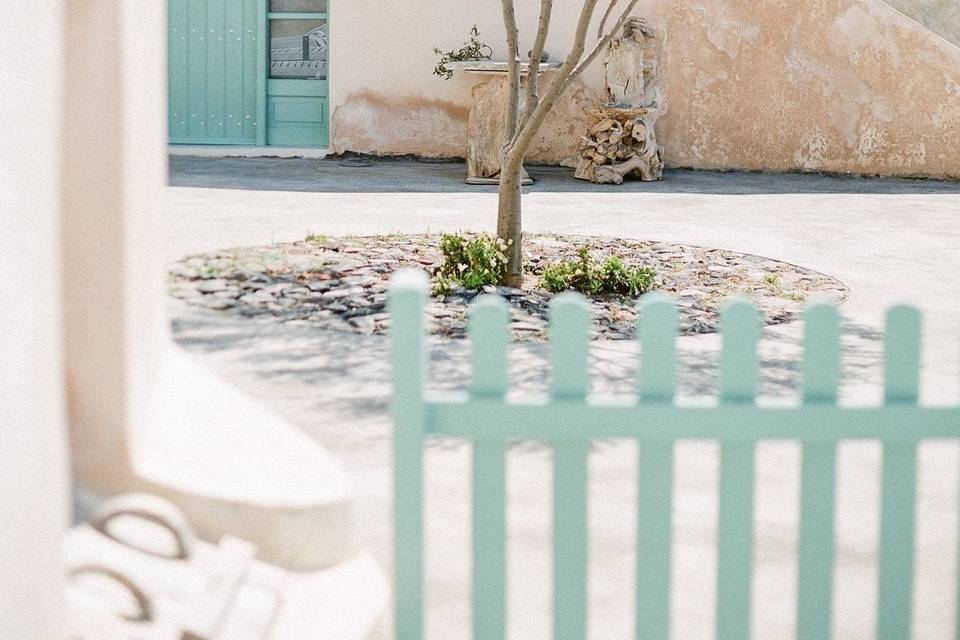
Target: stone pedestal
x=486 y=133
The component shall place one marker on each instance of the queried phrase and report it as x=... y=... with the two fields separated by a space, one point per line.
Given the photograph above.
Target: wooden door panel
x=213 y=55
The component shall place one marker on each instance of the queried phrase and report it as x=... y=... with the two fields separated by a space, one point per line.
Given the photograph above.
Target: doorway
x=248 y=72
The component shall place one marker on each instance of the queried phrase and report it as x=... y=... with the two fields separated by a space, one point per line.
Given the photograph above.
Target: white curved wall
x=33 y=477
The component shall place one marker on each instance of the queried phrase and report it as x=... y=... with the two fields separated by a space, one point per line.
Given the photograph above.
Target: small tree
x=523 y=123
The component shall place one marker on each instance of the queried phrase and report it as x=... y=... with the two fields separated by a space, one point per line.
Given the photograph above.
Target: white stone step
x=209 y=592
x=237 y=469
x=345 y=602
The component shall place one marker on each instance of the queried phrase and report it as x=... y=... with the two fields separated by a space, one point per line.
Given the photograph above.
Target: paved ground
x=889 y=241
x=404 y=175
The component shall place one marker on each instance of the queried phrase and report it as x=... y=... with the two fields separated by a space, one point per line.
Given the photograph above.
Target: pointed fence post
x=898 y=501
x=569 y=327
x=408 y=291
x=489 y=333
x=570 y=424
x=739 y=381
x=657 y=332
x=821 y=377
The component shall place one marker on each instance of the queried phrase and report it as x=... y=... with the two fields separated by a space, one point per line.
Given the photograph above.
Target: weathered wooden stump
x=624 y=141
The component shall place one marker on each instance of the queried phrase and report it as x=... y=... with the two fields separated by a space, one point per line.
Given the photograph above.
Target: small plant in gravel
x=470 y=262
x=593 y=277
x=316 y=239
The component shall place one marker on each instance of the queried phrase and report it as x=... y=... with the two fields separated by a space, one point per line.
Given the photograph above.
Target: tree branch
x=513 y=67
x=533 y=76
x=606 y=15
x=602 y=43
x=522 y=138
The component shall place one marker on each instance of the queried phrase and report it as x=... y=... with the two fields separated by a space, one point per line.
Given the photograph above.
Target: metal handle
x=154 y=510
x=145 y=613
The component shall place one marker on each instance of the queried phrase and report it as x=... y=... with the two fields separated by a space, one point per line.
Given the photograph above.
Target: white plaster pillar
x=114 y=179
x=143 y=416
x=34 y=492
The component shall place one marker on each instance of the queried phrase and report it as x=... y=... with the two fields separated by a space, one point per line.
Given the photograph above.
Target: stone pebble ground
x=341 y=283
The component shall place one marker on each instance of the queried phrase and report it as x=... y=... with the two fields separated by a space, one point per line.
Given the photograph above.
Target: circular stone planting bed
x=341 y=283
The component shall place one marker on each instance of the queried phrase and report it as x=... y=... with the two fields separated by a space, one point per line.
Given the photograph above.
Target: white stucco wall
x=113 y=296
x=825 y=85
x=34 y=498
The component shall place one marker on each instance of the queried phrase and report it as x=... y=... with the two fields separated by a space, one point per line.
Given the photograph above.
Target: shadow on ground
x=345 y=376
x=405 y=175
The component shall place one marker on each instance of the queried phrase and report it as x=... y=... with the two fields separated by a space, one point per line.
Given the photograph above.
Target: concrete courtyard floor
x=889 y=241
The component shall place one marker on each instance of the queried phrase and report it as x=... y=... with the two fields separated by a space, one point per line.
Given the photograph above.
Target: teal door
x=248 y=72
x=297 y=86
x=213 y=50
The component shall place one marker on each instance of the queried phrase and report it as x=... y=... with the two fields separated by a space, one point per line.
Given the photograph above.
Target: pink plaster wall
x=818 y=85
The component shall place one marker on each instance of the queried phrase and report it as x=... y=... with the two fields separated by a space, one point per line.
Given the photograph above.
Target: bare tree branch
x=601 y=44
x=520 y=132
x=513 y=66
x=533 y=76
x=606 y=15
x=522 y=138
x=509 y=226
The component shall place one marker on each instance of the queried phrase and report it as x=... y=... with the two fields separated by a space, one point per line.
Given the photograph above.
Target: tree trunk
x=522 y=129
x=509 y=218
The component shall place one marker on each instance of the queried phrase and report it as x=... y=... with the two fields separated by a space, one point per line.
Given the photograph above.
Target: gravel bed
x=341 y=283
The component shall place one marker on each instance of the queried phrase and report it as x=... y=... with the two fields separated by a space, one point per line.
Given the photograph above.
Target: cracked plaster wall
x=820 y=85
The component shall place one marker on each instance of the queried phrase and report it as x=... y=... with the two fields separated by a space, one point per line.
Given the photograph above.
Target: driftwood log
x=623 y=142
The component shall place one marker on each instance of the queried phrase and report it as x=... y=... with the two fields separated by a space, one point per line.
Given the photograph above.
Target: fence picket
x=489 y=335
x=409 y=420
x=901 y=386
x=657 y=331
x=901 y=357
x=739 y=362
x=569 y=422
x=821 y=376
x=739 y=380
x=569 y=326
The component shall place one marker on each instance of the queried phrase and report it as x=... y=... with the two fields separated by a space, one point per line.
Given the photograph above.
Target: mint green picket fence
x=570 y=421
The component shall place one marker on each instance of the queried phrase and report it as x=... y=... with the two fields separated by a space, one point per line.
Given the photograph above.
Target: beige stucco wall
x=828 y=85
x=940 y=16
x=384 y=98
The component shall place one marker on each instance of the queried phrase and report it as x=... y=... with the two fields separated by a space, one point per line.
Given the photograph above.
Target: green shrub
x=470 y=262
x=316 y=239
x=594 y=278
